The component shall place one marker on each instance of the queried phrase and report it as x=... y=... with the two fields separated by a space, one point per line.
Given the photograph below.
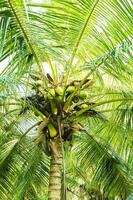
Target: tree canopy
x=84 y=44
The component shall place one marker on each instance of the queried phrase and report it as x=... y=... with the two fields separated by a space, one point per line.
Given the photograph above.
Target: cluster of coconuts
x=56 y=96
x=70 y=88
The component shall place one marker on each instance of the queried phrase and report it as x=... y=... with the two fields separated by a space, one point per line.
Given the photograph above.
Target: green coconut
x=70 y=89
x=83 y=94
x=59 y=90
x=51 y=94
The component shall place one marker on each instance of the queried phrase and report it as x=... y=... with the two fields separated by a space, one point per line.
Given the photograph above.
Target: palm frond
x=19 y=158
x=19 y=22
x=80 y=17
x=116 y=62
x=109 y=171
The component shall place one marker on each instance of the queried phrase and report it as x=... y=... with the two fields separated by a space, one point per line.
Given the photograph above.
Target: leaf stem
x=28 y=40
x=96 y=105
x=70 y=62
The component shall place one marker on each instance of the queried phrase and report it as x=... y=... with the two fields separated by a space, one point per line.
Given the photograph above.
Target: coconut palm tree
x=66 y=99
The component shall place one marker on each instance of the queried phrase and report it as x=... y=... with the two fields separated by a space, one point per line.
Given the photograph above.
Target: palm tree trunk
x=56 y=165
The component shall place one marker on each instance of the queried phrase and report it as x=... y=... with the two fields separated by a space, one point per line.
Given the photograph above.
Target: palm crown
x=84 y=122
